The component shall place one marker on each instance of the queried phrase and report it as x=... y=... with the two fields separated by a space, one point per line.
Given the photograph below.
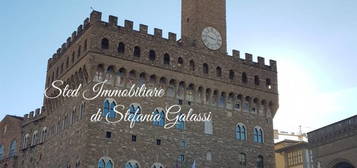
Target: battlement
x=70 y=40
x=37 y=113
x=96 y=19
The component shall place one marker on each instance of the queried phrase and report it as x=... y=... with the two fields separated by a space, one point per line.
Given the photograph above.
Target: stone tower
x=200 y=14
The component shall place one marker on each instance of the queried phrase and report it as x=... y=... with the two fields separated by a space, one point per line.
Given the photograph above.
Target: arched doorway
x=343 y=165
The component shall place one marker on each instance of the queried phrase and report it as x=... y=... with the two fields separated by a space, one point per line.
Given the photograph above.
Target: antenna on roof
x=92 y=8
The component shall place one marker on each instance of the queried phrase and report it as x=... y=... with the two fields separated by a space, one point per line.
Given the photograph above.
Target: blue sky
x=314 y=43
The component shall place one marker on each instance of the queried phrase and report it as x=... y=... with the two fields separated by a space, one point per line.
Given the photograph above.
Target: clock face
x=211 y=38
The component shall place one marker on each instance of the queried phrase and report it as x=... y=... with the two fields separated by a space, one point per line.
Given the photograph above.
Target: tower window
x=256 y=80
x=205 y=68
x=180 y=61
x=219 y=72
x=244 y=78
x=105 y=43
x=152 y=55
x=79 y=52
x=192 y=65
x=121 y=47
x=167 y=59
x=268 y=83
x=136 y=51
x=231 y=74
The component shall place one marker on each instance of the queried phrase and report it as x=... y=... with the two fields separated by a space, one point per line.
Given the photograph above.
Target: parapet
x=249 y=60
x=37 y=113
x=96 y=19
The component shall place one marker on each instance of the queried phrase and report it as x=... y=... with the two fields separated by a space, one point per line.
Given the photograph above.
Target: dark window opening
x=167 y=59
x=244 y=78
x=158 y=142
x=133 y=138
x=108 y=134
x=137 y=51
x=205 y=68
x=121 y=48
x=105 y=43
x=152 y=55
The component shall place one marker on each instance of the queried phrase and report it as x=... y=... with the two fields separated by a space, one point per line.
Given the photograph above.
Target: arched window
x=26 y=141
x=171 y=90
x=152 y=55
x=109 y=76
x=157 y=165
x=121 y=47
x=268 y=83
x=167 y=59
x=12 y=150
x=258 y=135
x=34 y=138
x=180 y=61
x=161 y=113
x=231 y=74
x=180 y=123
x=134 y=111
x=205 y=68
x=85 y=45
x=108 y=109
x=109 y=164
x=256 y=80
x=260 y=162
x=132 y=164
x=162 y=118
x=241 y=132
x=101 y=163
x=44 y=134
x=222 y=100
x=208 y=127
x=105 y=162
x=244 y=78
x=99 y=74
x=79 y=52
x=1 y=152
x=105 y=43
x=82 y=108
x=120 y=77
x=192 y=65
x=219 y=72
x=242 y=159
x=137 y=51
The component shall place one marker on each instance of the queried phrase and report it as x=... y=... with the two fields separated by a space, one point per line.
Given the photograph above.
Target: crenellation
x=143 y=28
x=63 y=47
x=272 y=64
x=158 y=32
x=80 y=29
x=95 y=17
x=128 y=24
x=172 y=36
x=261 y=61
x=37 y=112
x=74 y=36
x=113 y=20
x=68 y=42
x=236 y=54
x=31 y=115
x=248 y=57
x=86 y=23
